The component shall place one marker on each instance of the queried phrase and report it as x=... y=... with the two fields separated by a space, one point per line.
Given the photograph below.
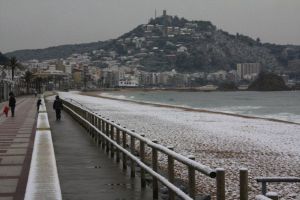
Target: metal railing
x=265 y=180
x=114 y=139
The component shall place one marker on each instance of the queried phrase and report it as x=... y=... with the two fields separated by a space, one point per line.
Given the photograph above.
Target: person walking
x=38 y=103
x=5 y=110
x=12 y=103
x=58 y=106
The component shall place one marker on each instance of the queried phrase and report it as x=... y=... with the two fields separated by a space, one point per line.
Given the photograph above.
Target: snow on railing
x=107 y=134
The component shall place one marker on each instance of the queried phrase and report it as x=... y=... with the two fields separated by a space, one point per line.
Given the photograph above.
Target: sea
x=283 y=105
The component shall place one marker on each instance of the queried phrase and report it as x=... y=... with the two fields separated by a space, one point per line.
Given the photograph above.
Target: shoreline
x=98 y=95
x=181 y=90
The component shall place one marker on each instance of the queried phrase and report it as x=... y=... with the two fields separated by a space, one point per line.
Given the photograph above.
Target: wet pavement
x=16 y=143
x=86 y=172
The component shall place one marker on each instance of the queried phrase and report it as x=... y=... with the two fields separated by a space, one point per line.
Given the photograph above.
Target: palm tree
x=13 y=63
x=27 y=77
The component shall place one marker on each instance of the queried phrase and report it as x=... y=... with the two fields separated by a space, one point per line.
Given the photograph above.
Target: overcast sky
x=29 y=24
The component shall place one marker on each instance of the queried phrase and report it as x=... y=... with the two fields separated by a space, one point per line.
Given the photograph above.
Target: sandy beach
x=266 y=147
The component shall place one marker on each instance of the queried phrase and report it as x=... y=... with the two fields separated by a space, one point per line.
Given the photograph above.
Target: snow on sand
x=266 y=148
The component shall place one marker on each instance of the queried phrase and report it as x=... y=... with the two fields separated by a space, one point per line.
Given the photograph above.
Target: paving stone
x=8 y=186
x=12 y=160
x=24 y=131
x=21 y=140
x=10 y=171
x=5 y=145
x=19 y=145
x=17 y=151
x=7 y=198
x=23 y=135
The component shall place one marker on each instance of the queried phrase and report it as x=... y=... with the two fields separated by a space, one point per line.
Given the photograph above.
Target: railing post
x=171 y=174
x=220 y=178
x=142 y=157
x=118 y=142
x=107 y=134
x=264 y=188
x=192 y=181
x=86 y=117
x=90 y=121
x=124 y=158
x=132 y=150
x=103 y=131
x=243 y=184
x=112 y=152
x=98 y=135
x=93 y=123
x=155 y=168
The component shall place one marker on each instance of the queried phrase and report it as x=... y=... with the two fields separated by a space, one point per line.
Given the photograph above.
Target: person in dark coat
x=58 y=106
x=38 y=103
x=12 y=103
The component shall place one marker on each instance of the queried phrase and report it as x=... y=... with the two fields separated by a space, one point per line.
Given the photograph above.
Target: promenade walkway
x=86 y=172
x=16 y=142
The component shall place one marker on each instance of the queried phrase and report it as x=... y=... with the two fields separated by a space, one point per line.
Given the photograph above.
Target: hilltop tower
x=165 y=27
x=164 y=13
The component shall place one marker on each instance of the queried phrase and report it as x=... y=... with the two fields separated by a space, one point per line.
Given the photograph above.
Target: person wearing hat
x=58 y=106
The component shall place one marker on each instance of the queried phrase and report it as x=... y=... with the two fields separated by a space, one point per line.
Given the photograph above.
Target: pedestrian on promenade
x=12 y=103
x=5 y=110
x=58 y=106
x=38 y=103
x=35 y=93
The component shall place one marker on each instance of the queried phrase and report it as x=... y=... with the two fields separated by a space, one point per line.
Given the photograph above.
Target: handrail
x=102 y=134
x=278 y=179
x=79 y=103
x=141 y=164
x=199 y=167
x=265 y=180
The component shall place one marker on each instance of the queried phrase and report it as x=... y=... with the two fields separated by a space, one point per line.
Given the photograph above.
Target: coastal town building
x=248 y=71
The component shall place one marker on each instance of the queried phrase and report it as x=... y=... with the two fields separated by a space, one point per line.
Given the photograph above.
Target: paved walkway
x=16 y=142
x=86 y=172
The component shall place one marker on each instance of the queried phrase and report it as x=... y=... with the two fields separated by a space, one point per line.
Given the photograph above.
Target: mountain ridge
x=208 y=48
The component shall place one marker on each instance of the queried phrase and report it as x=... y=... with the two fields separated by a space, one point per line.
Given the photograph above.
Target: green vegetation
x=28 y=78
x=3 y=59
x=13 y=63
x=268 y=82
x=227 y=86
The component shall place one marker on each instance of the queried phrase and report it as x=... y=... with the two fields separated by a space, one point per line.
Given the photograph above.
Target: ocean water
x=278 y=105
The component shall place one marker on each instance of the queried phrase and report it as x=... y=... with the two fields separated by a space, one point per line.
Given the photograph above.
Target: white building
x=248 y=70
x=129 y=81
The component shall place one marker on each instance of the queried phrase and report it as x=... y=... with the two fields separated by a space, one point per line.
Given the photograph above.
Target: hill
x=61 y=51
x=170 y=42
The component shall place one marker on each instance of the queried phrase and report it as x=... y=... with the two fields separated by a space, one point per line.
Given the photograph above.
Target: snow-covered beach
x=266 y=148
